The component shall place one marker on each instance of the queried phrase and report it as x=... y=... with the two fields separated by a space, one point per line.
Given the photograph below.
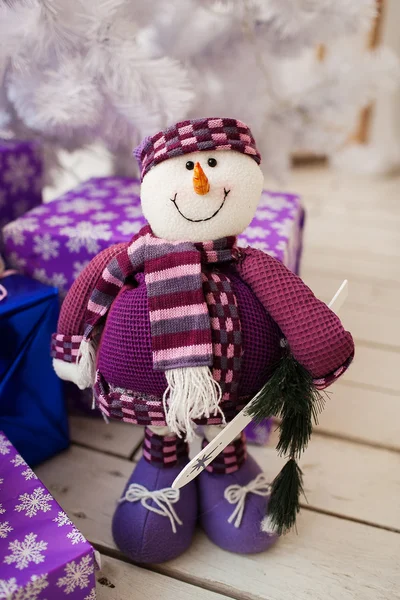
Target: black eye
x=212 y=162
x=190 y=165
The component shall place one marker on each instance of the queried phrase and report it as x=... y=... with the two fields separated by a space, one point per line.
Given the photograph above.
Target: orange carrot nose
x=201 y=184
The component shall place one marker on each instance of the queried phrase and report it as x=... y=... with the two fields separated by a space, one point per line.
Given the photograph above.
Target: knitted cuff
x=163 y=451
x=65 y=347
x=324 y=382
x=230 y=459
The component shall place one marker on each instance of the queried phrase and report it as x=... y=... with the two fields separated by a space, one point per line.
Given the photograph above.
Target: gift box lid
x=54 y=242
x=40 y=548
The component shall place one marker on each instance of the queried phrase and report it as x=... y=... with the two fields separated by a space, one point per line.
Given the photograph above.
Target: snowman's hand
x=68 y=371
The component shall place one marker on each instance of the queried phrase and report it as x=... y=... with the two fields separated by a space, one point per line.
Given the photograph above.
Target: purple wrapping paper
x=54 y=242
x=43 y=556
x=20 y=178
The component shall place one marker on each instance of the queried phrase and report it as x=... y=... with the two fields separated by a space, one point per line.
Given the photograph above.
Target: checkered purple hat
x=191 y=136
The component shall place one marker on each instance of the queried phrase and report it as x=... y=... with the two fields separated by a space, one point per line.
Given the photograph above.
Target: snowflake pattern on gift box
x=26 y=551
x=16 y=262
x=85 y=235
x=133 y=212
x=57 y=280
x=45 y=246
x=262 y=245
x=79 y=206
x=5 y=529
x=5 y=445
x=2 y=510
x=265 y=214
x=18 y=461
x=121 y=201
x=58 y=221
x=283 y=227
x=78 y=268
x=62 y=519
x=130 y=189
x=17 y=172
x=105 y=216
x=129 y=227
x=274 y=202
x=40 y=210
x=91 y=596
x=75 y=536
x=32 y=590
x=256 y=232
x=33 y=503
x=7 y=588
x=76 y=575
x=15 y=230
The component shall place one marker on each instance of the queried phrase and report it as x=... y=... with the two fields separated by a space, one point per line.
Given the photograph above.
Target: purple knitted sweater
x=272 y=302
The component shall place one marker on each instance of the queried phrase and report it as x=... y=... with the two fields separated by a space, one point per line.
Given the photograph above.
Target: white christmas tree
x=76 y=72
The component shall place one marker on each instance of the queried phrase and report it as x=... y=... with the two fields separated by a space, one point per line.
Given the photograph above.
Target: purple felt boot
x=233 y=501
x=154 y=523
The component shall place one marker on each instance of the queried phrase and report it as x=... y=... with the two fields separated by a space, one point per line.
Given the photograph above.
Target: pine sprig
x=284 y=503
x=289 y=395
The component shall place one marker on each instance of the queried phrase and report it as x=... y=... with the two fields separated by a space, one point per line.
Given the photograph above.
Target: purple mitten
x=232 y=508
x=153 y=523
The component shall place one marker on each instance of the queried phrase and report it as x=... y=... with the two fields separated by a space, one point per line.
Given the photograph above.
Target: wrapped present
x=32 y=408
x=20 y=178
x=42 y=554
x=54 y=242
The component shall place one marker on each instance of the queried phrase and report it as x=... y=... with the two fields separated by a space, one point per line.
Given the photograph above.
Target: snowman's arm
x=70 y=328
x=314 y=332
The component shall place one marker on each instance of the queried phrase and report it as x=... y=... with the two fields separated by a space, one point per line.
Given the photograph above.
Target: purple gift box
x=42 y=554
x=54 y=242
x=20 y=178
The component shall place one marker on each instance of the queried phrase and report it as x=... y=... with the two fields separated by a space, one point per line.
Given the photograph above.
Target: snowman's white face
x=202 y=196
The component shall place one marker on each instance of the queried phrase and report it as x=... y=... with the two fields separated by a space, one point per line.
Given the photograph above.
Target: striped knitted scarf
x=180 y=323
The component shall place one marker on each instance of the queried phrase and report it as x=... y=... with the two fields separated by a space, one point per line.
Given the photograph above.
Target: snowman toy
x=180 y=328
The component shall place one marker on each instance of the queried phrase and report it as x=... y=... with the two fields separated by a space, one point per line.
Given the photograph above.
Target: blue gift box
x=32 y=407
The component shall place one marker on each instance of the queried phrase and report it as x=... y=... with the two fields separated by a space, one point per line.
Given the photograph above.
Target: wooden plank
x=84 y=480
x=362 y=414
x=330 y=558
x=344 y=478
x=372 y=325
x=117 y=580
x=366 y=294
x=114 y=437
x=355 y=268
x=375 y=367
x=347 y=236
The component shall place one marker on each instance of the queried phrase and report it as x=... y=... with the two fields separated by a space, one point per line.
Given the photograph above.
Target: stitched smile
x=226 y=192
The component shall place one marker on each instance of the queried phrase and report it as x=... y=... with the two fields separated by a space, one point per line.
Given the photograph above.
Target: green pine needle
x=291 y=396
x=284 y=503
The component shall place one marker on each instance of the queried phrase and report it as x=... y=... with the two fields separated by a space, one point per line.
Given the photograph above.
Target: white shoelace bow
x=236 y=494
x=164 y=499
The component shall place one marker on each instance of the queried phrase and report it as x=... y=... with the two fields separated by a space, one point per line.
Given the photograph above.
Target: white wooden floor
x=348 y=541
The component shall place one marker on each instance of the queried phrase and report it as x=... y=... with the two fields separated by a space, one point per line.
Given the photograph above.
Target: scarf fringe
x=86 y=364
x=192 y=393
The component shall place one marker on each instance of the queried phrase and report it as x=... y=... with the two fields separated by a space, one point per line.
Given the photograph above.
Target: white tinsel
x=75 y=72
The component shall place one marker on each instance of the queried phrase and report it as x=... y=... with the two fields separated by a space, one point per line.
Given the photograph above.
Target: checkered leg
x=231 y=458
x=163 y=450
